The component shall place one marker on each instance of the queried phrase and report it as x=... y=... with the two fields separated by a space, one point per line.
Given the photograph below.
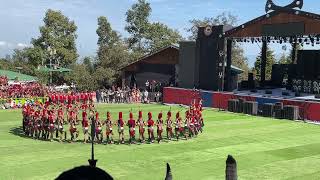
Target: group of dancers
x=48 y=122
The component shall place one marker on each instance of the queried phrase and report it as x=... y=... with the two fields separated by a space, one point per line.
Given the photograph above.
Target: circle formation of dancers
x=49 y=121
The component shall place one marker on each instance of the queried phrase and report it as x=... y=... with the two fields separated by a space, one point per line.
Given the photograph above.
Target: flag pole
x=92 y=161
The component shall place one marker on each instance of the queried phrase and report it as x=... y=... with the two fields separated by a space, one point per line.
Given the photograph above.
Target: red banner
x=179 y=96
x=307 y=110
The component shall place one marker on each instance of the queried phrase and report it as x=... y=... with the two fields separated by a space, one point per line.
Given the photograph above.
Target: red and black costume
x=169 y=125
x=131 y=124
x=159 y=124
x=150 y=124
x=141 y=125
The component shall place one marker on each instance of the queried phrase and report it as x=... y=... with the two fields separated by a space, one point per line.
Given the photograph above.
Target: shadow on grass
x=18 y=131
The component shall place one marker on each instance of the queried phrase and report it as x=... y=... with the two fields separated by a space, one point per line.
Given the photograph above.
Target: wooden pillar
x=228 y=68
x=231 y=168
x=294 y=53
x=263 y=63
x=293 y=61
x=123 y=79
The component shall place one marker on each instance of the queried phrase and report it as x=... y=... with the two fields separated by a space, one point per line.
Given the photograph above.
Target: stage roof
x=17 y=76
x=163 y=52
x=293 y=22
x=60 y=69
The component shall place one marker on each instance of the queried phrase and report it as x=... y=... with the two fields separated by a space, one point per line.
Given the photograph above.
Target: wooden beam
x=263 y=63
x=229 y=62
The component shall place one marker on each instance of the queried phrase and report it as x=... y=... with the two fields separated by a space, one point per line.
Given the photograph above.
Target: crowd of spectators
x=127 y=95
x=3 y=80
x=22 y=90
x=152 y=92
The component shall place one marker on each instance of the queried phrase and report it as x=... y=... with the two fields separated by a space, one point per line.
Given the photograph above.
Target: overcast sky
x=20 y=19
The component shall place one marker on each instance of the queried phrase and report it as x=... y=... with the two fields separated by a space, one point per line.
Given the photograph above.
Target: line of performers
x=41 y=122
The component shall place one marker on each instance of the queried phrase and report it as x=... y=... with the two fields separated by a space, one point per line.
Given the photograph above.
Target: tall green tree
x=59 y=34
x=146 y=36
x=82 y=78
x=112 y=54
x=160 y=35
x=287 y=58
x=270 y=61
x=19 y=59
x=5 y=63
x=107 y=37
x=35 y=55
x=137 y=19
x=88 y=62
x=284 y=59
x=224 y=18
x=239 y=60
x=104 y=77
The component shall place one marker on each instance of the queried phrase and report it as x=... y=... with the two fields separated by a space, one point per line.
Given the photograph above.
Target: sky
x=21 y=19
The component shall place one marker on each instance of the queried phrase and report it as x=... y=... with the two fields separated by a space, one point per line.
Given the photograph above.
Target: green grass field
x=264 y=149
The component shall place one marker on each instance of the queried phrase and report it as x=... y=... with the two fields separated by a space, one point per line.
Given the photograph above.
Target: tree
x=104 y=76
x=35 y=56
x=88 y=62
x=284 y=59
x=225 y=18
x=82 y=78
x=270 y=62
x=112 y=54
x=287 y=58
x=59 y=34
x=240 y=61
x=146 y=36
x=138 y=24
x=5 y=63
x=107 y=36
x=160 y=35
x=20 y=59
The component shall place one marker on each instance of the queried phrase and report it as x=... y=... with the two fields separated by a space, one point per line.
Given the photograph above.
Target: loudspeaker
x=210 y=54
x=291 y=112
x=268 y=92
x=253 y=90
x=308 y=65
x=317 y=66
x=188 y=66
x=233 y=105
x=267 y=110
x=285 y=93
x=250 y=108
x=278 y=110
x=240 y=105
x=251 y=84
x=277 y=75
x=244 y=85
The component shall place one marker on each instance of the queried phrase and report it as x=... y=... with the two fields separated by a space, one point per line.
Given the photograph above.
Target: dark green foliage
x=270 y=61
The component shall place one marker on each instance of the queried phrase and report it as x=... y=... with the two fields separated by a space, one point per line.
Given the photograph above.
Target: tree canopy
x=146 y=36
x=224 y=18
x=57 y=44
x=58 y=34
x=270 y=61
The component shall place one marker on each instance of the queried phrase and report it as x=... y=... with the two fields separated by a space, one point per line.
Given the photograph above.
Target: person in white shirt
x=145 y=95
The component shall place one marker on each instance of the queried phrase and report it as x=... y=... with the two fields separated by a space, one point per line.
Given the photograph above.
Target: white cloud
x=3 y=43
x=10 y=45
x=22 y=45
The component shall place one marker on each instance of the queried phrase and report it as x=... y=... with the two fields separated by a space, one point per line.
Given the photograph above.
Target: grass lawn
x=264 y=149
